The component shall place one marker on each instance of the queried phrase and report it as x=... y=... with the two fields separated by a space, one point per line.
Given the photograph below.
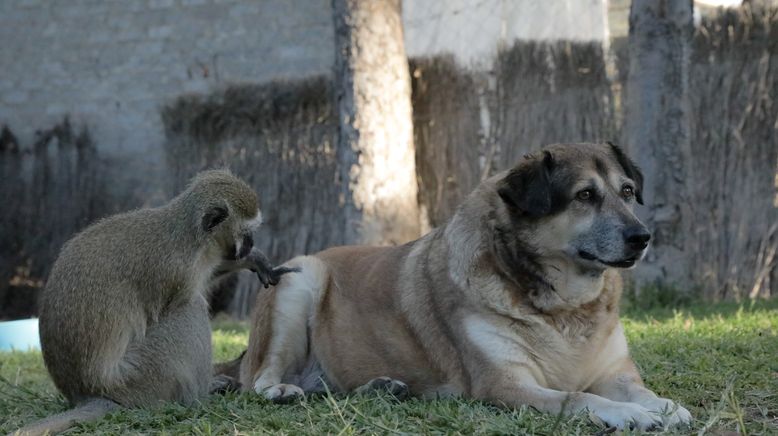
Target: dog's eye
x=627 y=192
x=584 y=195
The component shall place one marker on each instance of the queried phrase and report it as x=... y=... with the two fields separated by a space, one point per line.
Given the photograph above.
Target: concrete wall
x=473 y=30
x=111 y=64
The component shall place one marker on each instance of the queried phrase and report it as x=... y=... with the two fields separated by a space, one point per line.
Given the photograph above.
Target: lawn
x=718 y=360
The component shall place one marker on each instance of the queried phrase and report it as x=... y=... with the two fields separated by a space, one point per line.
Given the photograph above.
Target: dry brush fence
x=50 y=190
x=280 y=138
x=469 y=125
x=551 y=93
x=448 y=133
x=734 y=136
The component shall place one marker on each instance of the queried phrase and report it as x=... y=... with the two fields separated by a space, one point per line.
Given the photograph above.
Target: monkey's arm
x=267 y=273
x=257 y=262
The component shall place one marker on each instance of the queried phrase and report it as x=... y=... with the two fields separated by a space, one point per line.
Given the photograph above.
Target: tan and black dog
x=514 y=301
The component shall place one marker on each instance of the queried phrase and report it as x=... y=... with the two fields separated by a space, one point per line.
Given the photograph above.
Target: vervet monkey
x=123 y=316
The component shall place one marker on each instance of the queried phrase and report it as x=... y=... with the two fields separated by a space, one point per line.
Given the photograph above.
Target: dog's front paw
x=672 y=413
x=281 y=393
x=628 y=415
x=386 y=384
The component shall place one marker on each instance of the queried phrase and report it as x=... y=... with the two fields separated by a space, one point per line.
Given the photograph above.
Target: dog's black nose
x=637 y=237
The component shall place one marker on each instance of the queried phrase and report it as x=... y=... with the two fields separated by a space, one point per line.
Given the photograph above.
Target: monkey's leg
x=171 y=363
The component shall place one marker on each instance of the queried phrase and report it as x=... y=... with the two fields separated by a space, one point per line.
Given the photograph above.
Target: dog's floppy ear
x=630 y=169
x=529 y=190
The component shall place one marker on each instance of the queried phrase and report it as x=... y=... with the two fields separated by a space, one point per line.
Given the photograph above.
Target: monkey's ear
x=213 y=217
x=528 y=189
x=630 y=169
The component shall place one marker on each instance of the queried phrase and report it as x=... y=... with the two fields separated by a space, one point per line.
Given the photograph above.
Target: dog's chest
x=566 y=355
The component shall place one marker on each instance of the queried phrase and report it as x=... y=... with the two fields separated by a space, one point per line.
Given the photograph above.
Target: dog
x=514 y=301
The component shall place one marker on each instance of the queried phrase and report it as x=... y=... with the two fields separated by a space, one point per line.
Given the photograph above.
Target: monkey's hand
x=266 y=272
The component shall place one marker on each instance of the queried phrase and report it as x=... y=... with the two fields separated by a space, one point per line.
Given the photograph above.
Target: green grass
x=718 y=360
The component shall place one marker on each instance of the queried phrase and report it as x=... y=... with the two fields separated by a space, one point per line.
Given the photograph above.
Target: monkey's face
x=244 y=236
x=233 y=234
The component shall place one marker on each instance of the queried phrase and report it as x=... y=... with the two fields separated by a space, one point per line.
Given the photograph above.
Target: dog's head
x=576 y=201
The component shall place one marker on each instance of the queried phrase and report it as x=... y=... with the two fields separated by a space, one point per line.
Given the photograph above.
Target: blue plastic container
x=19 y=335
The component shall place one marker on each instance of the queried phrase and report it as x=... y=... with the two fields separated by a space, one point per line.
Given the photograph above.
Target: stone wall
x=110 y=64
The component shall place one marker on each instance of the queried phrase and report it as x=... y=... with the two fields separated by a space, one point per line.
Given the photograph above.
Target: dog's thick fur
x=514 y=301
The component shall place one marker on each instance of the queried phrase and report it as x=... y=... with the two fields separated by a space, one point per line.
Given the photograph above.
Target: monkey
x=123 y=317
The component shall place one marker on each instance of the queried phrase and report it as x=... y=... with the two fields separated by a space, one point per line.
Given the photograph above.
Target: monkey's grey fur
x=123 y=317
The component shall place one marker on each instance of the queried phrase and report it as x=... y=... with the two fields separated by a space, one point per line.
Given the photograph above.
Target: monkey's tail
x=230 y=368
x=91 y=410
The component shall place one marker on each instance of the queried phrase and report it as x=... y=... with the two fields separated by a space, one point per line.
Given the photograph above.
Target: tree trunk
x=375 y=146
x=657 y=125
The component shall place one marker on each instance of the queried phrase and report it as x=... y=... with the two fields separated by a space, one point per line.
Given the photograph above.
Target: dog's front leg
x=623 y=383
x=520 y=388
x=279 y=344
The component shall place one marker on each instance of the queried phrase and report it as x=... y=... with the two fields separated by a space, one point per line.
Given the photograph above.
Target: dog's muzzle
x=636 y=237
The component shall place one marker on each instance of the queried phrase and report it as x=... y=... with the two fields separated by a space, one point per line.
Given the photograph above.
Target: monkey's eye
x=584 y=195
x=627 y=192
